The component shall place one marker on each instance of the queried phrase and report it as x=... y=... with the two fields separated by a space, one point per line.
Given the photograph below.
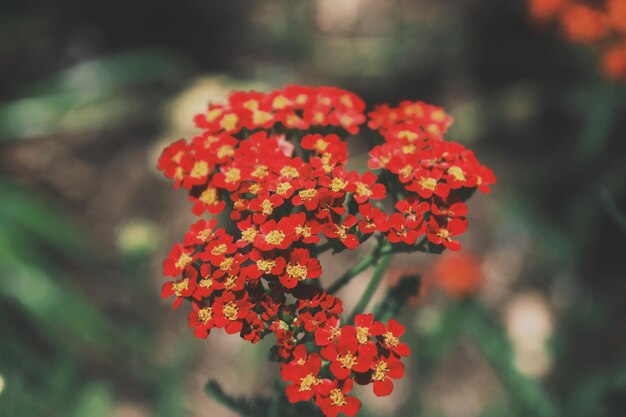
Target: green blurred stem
x=381 y=265
x=343 y=280
x=611 y=208
x=214 y=390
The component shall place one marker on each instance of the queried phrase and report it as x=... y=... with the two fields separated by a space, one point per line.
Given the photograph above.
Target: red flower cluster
x=602 y=24
x=430 y=175
x=368 y=352
x=286 y=190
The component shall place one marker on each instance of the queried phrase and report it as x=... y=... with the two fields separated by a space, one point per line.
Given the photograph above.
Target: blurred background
x=528 y=320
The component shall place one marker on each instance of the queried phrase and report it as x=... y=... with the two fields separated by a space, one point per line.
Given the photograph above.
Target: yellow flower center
x=210 y=140
x=179 y=287
x=362 y=335
x=408 y=135
x=209 y=196
x=337 y=184
x=203 y=235
x=212 y=115
x=205 y=314
x=249 y=234
x=347 y=361
x=266 y=265
x=433 y=129
x=380 y=372
x=292 y=120
x=219 y=249
x=226 y=264
x=346 y=120
x=280 y=102
x=230 y=311
x=251 y=104
x=260 y=117
x=320 y=145
x=183 y=260
x=289 y=172
x=303 y=231
x=363 y=190
x=391 y=340
x=230 y=282
x=307 y=382
x=200 y=169
x=229 y=122
x=406 y=171
x=275 y=237
x=283 y=188
x=438 y=115
x=297 y=271
x=307 y=194
x=414 y=110
x=334 y=332
x=206 y=283
x=457 y=173
x=444 y=234
x=301 y=99
x=255 y=188
x=341 y=232
x=428 y=183
x=260 y=171
x=233 y=175
x=224 y=151
x=337 y=398
x=179 y=155
x=267 y=207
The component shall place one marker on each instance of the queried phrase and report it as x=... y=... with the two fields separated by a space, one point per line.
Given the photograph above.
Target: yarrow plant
x=600 y=23
x=275 y=162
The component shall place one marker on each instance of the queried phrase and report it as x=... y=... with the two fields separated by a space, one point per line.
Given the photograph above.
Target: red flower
x=427 y=183
x=208 y=200
x=373 y=219
x=329 y=333
x=389 y=337
x=299 y=268
x=201 y=320
x=303 y=373
x=383 y=369
x=228 y=312
x=342 y=232
x=440 y=235
x=201 y=232
x=182 y=288
x=333 y=399
x=366 y=188
x=345 y=356
x=274 y=235
x=364 y=328
x=177 y=260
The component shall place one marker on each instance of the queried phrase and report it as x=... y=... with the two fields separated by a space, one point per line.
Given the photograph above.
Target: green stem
x=381 y=266
x=243 y=406
x=365 y=263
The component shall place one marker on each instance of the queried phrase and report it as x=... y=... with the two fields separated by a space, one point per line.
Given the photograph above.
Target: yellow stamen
x=200 y=169
x=275 y=237
x=380 y=372
x=428 y=183
x=297 y=271
x=337 y=398
x=179 y=287
x=205 y=314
